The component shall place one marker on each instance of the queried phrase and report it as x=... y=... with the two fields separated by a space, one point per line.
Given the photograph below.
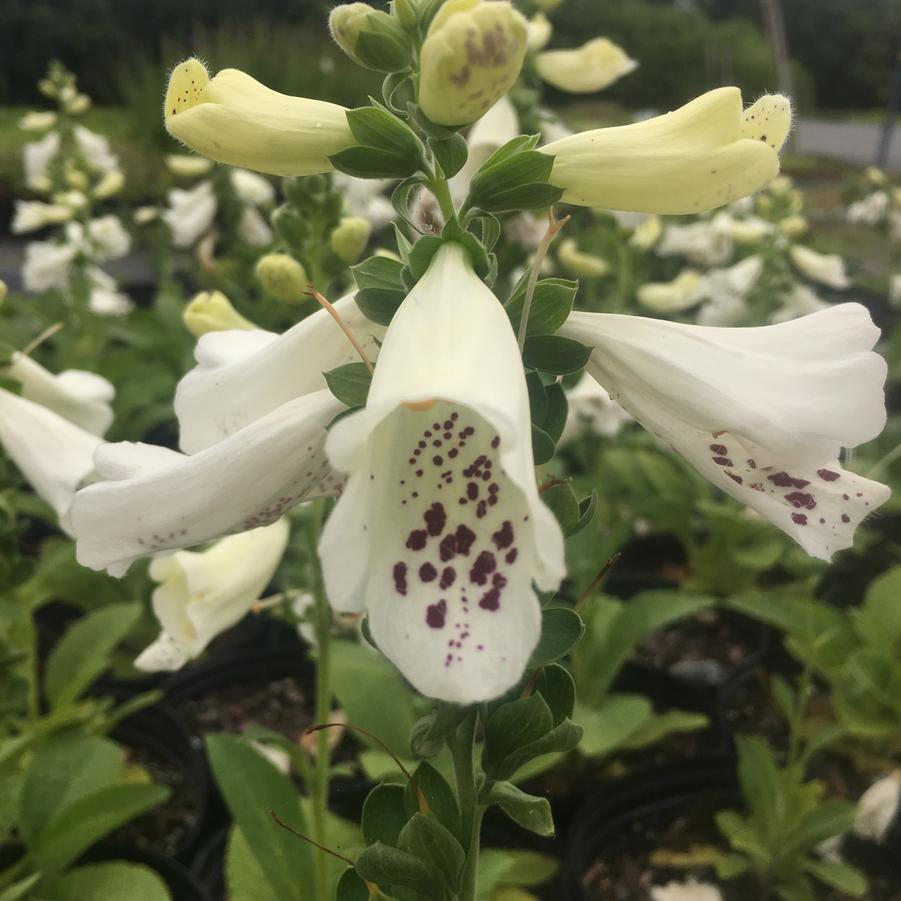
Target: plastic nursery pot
x=607 y=853
x=156 y=740
x=646 y=563
x=208 y=866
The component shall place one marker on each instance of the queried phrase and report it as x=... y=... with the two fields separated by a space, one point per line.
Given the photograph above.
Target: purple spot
x=448 y=575
x=400 y=577
x=447 y=549
x=427 y=572
x=801 y=499
x=512 y=554
x=722 y=461
x=784 y=480
x=496 y=442
x=416 y=539
x=482 y=509
x=827 y=475
x=435 y=519
x=491 y=600
x=845 y=517
x=437 y=460
x=752 y=463
x=799 y=518
x=719 y=449
x=737 y=479
x=464 y=538
x=472 y=491
x=503 y=537
x=484 y=565
x=435 y=615
x=499 y=581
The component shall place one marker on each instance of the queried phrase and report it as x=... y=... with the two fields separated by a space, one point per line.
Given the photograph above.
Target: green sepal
x=529 y=811
x=379 y=304
x=451 y=153
x=374 y=162
x=378 y=272
x=552 y=302
x=384 y=814
x=373 y=126
x=555 y=354
x=430 y=732
x=561 y=628
x=350 y=383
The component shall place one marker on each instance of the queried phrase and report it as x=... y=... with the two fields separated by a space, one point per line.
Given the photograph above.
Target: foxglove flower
x=761 y=412
x=201 y=594
x=592 y=67
x=706 y=242
x=191 y=213
x=681 y=293
x=440 y=532
x=825 y=268
x=31 y=215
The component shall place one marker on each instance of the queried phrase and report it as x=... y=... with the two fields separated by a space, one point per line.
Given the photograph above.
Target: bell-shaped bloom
x=201 y=594
x=705 y=154
x=234 y=119
x=81 y=397
x=154 y=499
x=825 y=268
x=31 y=215
x=53 y=453
x=191 y=213
x=593 y=410
x=212 y=311
x=440 y=532
x=252 y=228
x=586 y=69
x=242 y=376
x=108 y=238
x=761 y=412
x=471 y=57
x=673 y=296
x=46 y=265
x=706 y=242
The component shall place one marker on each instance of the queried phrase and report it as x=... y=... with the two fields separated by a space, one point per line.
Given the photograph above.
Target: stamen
x=596 y=581
x=48 y=332
x=537 y=262
x=312 y=292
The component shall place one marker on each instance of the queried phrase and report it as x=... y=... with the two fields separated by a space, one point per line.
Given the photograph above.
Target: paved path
x=852 y=142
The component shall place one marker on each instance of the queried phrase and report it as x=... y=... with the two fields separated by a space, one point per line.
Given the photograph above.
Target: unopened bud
x=184 y=165
x=79 y=104
x=370 y=37
x=350 y=238
x=212 y=311
x=793 y=226
x=282 y=277
x=75 y=178
x=111 y=183
x=578 y=263
x=35 y=121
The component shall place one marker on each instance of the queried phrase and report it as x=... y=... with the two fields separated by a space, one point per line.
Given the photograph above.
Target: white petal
x=761 y=412
x=37 y=155
x=878 y=807
x=441 y=532
x=157 y=499
x=826 y=268
x=252 y=228
x=111 y=240
x=53 y=454
x=686 y=891
x=46 y=265
x=96 y=150
x=81 y=397
x=190 y=214
x=700 y=242
x=243 y=375
x=252 y=188
x=163 y=655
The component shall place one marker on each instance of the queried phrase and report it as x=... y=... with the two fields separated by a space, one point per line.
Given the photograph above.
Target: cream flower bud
x=212 y=311
x=146 y=214
x=647 y=233
x=185 y=165
x=370 y=37
x=3 y=290
x=540 y=31
x=591 y=67
x=780 y=185
x=234 y=119
x=470 y=58
x=282 y=277
x=826 y=268
x=793 y=226
x=79 y=104
x=35 y=121
x=875 y=176
x=32 y=214
x=350 y=238
x=74 y=199
x=76 y=179
x=111 y=184
x=578 y=263
x=747 y=231
x=705 y=154
x=672 y=297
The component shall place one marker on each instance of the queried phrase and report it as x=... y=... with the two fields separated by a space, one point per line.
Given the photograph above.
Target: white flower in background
x=251 y=418
x=365 y=197
x=800 y=301
x=526 y=230
x=46 y=265
x=105 y=298
x=253 y=229
x=96 y=150
x=201 y=594
x=540 y=31
x=108 y=237
x=31 y=215
x=36 y=158
x=686 y=891
x=828 y=269
x=646 y=234
x=440 y=531
x=144 y=215
x=592 y=409
x=191 y=213
x=186 y=165
x=761 y=412
x=34 y=121
x=674 y=296
x=751 y=230
x=871 y=210
x=585 y=265
x=725 y=292
x=303 y=607
x=706 y=242
x=586 y=69
x=251 y=188
x=109 y=185
x=744 y=206
x=77 y=200
x=878 y=808
x=793 y=226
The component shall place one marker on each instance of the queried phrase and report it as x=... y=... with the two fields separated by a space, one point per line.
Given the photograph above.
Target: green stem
x=467 y=796
x=322 y=767
x=440 y=189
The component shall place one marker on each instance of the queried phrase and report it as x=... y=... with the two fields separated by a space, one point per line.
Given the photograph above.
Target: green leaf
x=512 y=868
x=375 y=127
x=351 y=888
x=543 y=446
x=70 y=766
x=828 y=819
x=555 y=354
x=556 y=686
x=244 y=878
x=83 y=653
x=379 y=304
x=561 y=628
x=388 y=867
x=20 y=889
x=350 y=383
x=438 y=795
x=530 y=812
x=450 y=152
x=731 y=865
x=112 y=881
x=89 y=819
x=557 y=411
x=430 y=841
x=429 y=733
x=512 y=726
x=372 y=162
x=563 y=504
x=552 y=303
x=563 y=737
x=421 y=255
x=379 y=272
x=384 y=814
x=252 y=787
x=878 y=621
x=609 y=725
x=532 y=196
x=659 y=725
x=838 y=875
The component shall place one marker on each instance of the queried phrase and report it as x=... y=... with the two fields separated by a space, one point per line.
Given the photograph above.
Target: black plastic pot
x=208 y=866
x=624 y=807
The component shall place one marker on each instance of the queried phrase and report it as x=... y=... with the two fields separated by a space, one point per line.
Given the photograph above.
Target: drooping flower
x=191 y=213
x=201 y=594
x=761 y=412
x=440 y=531
x=705 y=154
x=586 y=69
x=826 y=268
x=234 y=119
x=31 y=215
x=673 y=296
x=46 y=265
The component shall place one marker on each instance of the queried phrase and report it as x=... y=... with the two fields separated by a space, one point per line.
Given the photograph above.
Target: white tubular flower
x=589 y=68
x=54 y=454
x=705 y=154
x=155 y=499
x=34 y=121
x=440 y=532
x=191 y=213
x=540 y=31
x=81 y=397
x=96 y=150
x=877 y=808
x=252 y=228
x=680 y=294
x=252 y=188
x=46 y=265
x=109 y=302
x=242 y=376
x=825 y=268
x=800 y=301
x=234 y=119
x=871 y=210
x=747 y=231
x=31 y=215
x=109 y=238
x=761 y=412
x=592 y=409
x=201 y=594
x=36 y=158
x=686 y=891
x=705 y=243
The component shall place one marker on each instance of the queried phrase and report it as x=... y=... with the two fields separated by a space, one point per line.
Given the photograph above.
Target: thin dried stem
x=327 y=306
x=552 y=229
x=593 y=584
x=308 y=840
x=48 y=332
